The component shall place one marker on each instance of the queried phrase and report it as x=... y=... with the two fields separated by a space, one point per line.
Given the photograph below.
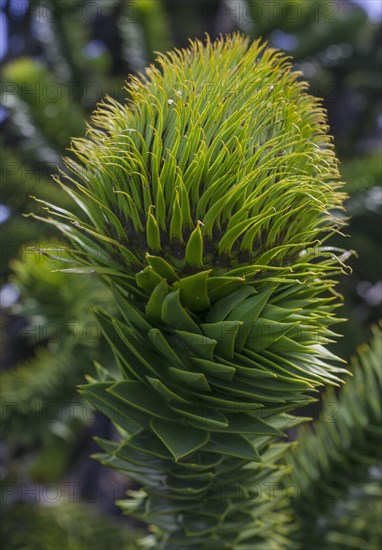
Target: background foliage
x=60 y=59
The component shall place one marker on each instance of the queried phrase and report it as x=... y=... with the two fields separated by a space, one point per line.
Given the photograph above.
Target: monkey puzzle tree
x=207 y=198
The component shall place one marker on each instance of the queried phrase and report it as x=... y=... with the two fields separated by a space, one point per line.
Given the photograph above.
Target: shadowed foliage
x=336 y=467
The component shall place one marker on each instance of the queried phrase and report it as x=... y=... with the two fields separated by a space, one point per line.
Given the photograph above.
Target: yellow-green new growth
x=223 y=137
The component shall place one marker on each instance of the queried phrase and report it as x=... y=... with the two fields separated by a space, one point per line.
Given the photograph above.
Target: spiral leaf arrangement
x=206 y=201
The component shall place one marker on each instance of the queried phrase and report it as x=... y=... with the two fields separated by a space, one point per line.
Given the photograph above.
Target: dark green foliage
x=38 y=394
x=362 y=291
x=337 y=466
x=365 y=208
x=64 y=526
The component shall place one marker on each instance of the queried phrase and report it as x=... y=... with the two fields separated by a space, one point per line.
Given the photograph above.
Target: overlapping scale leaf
x=195 y=414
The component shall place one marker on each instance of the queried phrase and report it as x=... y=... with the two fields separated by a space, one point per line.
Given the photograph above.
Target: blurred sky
x=373 y=8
